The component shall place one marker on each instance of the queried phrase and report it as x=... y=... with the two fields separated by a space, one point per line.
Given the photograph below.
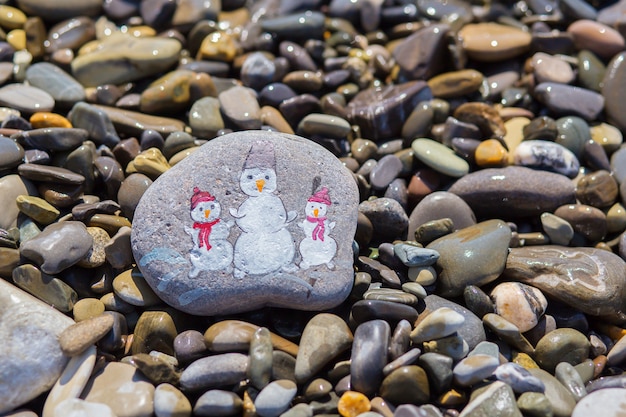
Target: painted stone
x=251 y=219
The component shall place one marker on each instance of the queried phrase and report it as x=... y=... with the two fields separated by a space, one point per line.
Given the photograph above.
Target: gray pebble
x=218 y=403
x=275 y=398
x=369 y=356
x=518 y=378
x=214 y=371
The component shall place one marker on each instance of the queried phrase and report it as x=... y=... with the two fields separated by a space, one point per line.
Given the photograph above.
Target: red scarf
x=205 y=231
x=318 y=232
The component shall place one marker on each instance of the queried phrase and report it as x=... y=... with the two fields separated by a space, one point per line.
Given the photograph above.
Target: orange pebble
x=491 y=153
x=46 y=119
x=353 y=403
x=599 y=363
x=610 y=330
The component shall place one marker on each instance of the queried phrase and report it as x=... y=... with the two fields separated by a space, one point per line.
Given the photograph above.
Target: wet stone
x=78 y=337
x=275 y=398
x=570 y=100
x=518 y=378
x=214 y=371
x=530 y=192
x=437 y=206
x=47 y=288
x=406 y=385
x=548 y=156
x=520 y=304
x=11 y=153
x=561 y=345
x=369 y=356
x=438 y=324
x=217 y=403
x=225 y=233
x=60 y=85
x=370 y=309
x=387 y=217
x=561 y=401
x=385 y=171
x=598 y=189
x=587 y=221
x=496 y=399
x=558 y=230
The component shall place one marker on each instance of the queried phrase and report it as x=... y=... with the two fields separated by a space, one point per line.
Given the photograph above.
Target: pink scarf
x=205 y=232
x=318 y=232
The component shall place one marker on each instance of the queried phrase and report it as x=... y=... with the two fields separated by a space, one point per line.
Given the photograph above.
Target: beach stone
x=436 y=206
x=63 y=88
x=569 y=377
x=34 y=360
x=78 y=407
x=439 y=157
x=205 y=118
x=63 y=10
x=518 y=378
x=235 y=335
x=455 y=83
x=123 y=58
x=587 y=221
x=548 y=156
x=566 y=100
x=241 y=107
x=275 y=398
x=472 y=331
x=26 y=99
x=431 y=58
x=170 y=402
x=488 y=241
x=548 y=68
x=561 y=345
x=496 y=400
x=373 y=109
x=385 y=171
x=217 y=402
x=508 y=332
x=123 y=388
x=324 y=338
x=438 y=324
x=561 y=401
x=11 y=153
x=596 y=37
x=587 y=279
x=305 y=271
x=608 y=402
x=491 y=42
x=439 y=370
x=613 y=86
x=598 y=189
x=530 y=192
x=155 y=330
x=535 y=404
x=474 y=369
x=78 y=337
x=58 y=246
x=214 y=372
x=558 y=230
x=37 y=209
x=406 y=385
x=519 y=303
x=50 y=290
x=387 y=216
x=369 y=356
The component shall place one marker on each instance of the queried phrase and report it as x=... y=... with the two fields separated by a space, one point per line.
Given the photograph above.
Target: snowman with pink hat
x=317 y=247
x=211 y=250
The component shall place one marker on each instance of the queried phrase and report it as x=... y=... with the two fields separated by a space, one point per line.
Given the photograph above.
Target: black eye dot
x=249 y=177
x=212 y=206
x=267 y=177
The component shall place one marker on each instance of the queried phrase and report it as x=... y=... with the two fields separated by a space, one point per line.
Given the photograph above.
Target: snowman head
x=257 y=181
x=317 y=204
x=204 y=208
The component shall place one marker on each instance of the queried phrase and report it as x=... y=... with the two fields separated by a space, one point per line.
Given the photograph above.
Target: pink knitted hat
x=200 y=196
x=321 y=197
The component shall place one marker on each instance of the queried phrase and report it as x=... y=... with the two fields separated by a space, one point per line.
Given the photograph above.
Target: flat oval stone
x=63 y=88
x=315 y=273
x=520 y=304
x=241 y=107
x=49 y=289
x=34 y=360
x=385 y=171
x=455 y=83
x=548 y=156
x=488 y=242
x=561 y=345
x=205 y=118
x=214 y=371
x=122 y=58
x=439 y=157
x=596 y=37
x=233 y=335
x=26 y=99
x=52 y=138
x=324 y=337
x=598 y=189
x=406 y=385
x=437 y=206
x=497 y=398
x=392 y=312
x=48 y=173
x=123 y=388
x=518 y=378
x=561 y=401
x=474 y=369
x=64 y=10
x=438 y=324
x=80 y=336
x=421 y=54
x=529 y=192
x=570 y=100
x=587 y=279
x=324 y=125
x=155 y=330
x=585 y=220
x=491 y=42
x=58 y=246
x=369 y=356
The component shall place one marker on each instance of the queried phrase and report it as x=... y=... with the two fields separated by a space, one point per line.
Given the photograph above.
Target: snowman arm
x=194 y=235
x=291 y=216
x=331 y=225
x=235 y=213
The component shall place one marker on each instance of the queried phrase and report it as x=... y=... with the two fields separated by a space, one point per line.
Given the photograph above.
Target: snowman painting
x=211 y=250
x=317 y=247
x=265 y=244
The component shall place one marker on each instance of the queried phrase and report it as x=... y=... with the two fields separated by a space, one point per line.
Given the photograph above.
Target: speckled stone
x=519 y=303
x=34 y=361
x=488 y=242
x=315 y=273
x=387 y=217
x=440 y=323
x=214 y=371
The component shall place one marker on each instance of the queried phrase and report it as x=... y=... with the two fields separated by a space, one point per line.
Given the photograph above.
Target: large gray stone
x=31 y=359
x=263 y=191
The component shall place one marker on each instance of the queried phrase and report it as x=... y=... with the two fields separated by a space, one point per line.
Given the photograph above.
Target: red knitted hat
x=200 y=196
x=321 y=197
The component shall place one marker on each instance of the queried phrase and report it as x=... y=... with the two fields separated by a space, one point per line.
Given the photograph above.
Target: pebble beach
x=298 y=208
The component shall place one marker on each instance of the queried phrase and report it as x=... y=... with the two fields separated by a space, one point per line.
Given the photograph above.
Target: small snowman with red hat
x=211 y=249
x=317 y=247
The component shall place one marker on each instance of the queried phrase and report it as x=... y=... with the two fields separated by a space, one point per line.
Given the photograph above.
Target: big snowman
x=265 y=244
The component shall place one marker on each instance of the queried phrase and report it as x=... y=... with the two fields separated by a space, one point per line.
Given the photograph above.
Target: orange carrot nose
x=260 y=184
x=316 y=212
x=207 y=213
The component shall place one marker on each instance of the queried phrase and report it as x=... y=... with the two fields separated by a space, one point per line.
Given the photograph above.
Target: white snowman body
x=317 y=247
x=218 y=254
x=265 y=244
